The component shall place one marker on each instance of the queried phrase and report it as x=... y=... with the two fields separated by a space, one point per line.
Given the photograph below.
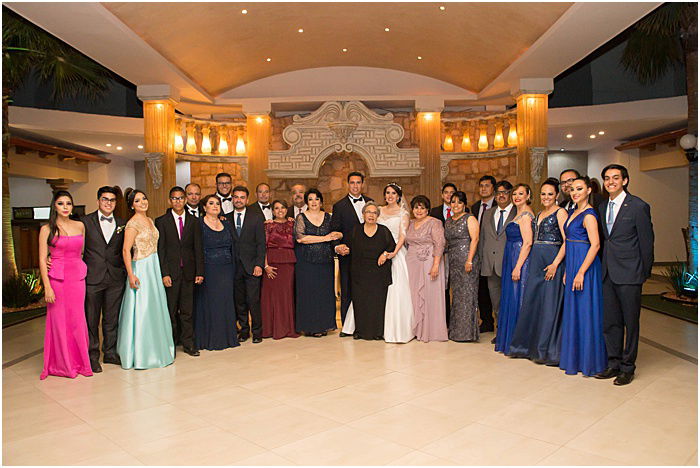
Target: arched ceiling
x=219 y=48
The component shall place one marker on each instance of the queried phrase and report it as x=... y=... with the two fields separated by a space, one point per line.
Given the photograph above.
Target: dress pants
x=247 y=298
x=494 y=284
x=621 y=308
x=103 y=300
x=485 y=307
x=180 y=305
x=345 y=298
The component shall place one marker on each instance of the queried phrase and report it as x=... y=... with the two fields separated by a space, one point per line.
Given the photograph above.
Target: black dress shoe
x=243 y=338
x=493 y=340
x=112 y=360
x=624 y=378
x=191 y=352
x=608 y=373
x=96 y=367
x=343 y=335
x=257 y=339
x=356 y=336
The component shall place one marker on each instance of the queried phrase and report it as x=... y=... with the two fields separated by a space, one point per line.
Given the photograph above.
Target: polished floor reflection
x=334 y=401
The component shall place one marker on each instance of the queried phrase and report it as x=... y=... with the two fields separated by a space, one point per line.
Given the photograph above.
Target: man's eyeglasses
x=223 y=183
x=108 y=200
x=177 y=198
x=567 y=181
x=503 y=193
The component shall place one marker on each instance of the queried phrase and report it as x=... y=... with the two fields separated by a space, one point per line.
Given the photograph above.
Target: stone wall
x=465 y=173
x=204 y=174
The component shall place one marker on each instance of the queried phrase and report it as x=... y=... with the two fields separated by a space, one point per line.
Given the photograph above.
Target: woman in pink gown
x=66 y=338
x=425 y=238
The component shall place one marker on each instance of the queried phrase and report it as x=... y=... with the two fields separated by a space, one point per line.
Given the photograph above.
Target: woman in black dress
x=371 y=245
x=315 y=298
x=215 y=314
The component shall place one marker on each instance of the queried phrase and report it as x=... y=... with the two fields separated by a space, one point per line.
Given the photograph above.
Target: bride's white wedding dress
x=398 y=314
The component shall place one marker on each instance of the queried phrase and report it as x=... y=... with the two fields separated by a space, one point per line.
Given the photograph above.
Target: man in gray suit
x=492 y=241
x=628 y=255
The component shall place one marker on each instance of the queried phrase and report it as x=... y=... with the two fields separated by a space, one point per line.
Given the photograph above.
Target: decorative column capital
x=159 y=92
x=532 y=86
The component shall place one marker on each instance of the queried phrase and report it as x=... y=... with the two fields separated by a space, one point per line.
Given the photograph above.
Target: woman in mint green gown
x=145 y=338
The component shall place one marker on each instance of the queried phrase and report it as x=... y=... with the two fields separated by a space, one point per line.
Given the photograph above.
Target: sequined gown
x=464 y=311
x=145 y=338
x=537 y=335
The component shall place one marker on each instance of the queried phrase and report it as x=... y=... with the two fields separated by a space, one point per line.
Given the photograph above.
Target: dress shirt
x=235 y=217
x=358 y=206
x=482 y=210
x=444 y=210
x=226 y=206
x=107 y=226
x=570 y=205
x=617 y=201
x=177 y=225
x=266 y=212
x=194 y=211
x=298 y=211
x=497 y=215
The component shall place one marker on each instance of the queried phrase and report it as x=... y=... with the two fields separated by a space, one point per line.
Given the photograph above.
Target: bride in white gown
x=398 y=315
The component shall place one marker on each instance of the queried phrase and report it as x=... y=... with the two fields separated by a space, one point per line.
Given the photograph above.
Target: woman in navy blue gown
x=215 y=315
x=515 y=266
x=537 y=335
x=582 y=342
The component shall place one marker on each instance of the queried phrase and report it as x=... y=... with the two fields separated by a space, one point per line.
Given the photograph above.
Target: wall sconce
x=483 y=141
x=448 y=145
x=206 y=142
x=179 y=144
x=240 y=146
x=512 y=134
x=223 y=145
x=498 y=137
x=191 y=144
x=428 y=116
x=259 y=120
x=466 y=143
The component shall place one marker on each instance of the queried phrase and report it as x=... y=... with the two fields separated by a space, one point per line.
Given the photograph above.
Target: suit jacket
x=477 y=206
x=174 y=251
x=436 y=212
x=250 y=244
x=492 y=244
x=103 y=259
x=255 y=206
x=200 y=209
x=344 y=220
x=628 y=249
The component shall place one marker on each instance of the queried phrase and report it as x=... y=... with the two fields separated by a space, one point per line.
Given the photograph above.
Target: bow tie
x=104 y=218
x=223 y=199
x=192 y=211
x=265 y=207
x=355 y=200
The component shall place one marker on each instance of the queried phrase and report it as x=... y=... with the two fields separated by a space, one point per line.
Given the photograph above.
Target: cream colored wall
x=666 y=192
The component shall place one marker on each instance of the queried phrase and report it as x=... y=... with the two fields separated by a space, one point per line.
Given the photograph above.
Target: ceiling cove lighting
x=601 y=133
x=419 y=57
x=119 y=148
x=141 y=146
x=386 y=29
x=442 y=7
x=301 y=30
x=345 y=50
x=108 y=145
x=569 y=135
x=244 y=12
x=268 y=59
x=592 y=137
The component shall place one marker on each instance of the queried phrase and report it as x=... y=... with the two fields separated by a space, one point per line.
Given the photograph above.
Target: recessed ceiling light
x=442 y=8
x=345 y=50
x=561 y=149
x=592 y=137
x=419 y=57
x=601 y=133
x=569 y=135
x=119 y=148
x=108 y=145
x=245 y=12
x=301 y=30
x=268 y=59
x=140 y=147
x=386 y=29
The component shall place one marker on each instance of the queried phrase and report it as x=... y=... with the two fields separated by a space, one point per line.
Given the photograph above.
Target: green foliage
x=22 y=290
x=28 y=49
x=677 y=276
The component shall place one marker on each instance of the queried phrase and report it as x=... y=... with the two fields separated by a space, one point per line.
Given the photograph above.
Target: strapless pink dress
x=66 y=338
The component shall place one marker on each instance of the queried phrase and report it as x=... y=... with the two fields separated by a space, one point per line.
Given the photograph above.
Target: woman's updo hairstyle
x=554 y=182
x=130 y=195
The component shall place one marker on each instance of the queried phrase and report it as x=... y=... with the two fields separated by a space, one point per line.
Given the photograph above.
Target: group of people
x=213 y=272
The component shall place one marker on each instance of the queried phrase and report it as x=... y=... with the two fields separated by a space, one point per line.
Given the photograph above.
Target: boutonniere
x=120 y=228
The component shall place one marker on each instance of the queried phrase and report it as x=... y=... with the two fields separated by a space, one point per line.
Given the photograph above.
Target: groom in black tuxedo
x=181 y=266
x=249 y=233
x=628 y=255
x=347 y=213
x=106 y=276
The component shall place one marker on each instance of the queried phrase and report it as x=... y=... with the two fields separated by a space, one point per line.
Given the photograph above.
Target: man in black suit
x=181 y=266
x=628 y=255
x=106 y=276
x=443 y=212
x=193 y=192
x=487 y=188
x=249 y=231
x=262 y=204
x=347 y=213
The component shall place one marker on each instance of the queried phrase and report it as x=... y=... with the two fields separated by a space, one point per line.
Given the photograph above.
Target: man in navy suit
x=628 y=255
x=347 y=213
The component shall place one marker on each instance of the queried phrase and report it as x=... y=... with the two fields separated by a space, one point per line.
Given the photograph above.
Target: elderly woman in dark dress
x=371 y=245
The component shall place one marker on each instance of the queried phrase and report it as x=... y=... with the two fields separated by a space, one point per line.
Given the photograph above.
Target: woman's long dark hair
x=130 y=194
x=53 y=215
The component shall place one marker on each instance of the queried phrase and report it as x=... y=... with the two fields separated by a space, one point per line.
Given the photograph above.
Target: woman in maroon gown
x=277 y=296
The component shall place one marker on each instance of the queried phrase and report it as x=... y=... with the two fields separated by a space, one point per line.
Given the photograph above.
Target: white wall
x=666 y=192
x=557 y=161
x=26 y=192
x=119 y=172
x=182 y=173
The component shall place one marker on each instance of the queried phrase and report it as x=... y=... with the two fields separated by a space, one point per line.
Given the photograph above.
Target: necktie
x=355 y=200
x=239 y=224
x=449 y=214
x=499 y=228
x=179 y=226
x=572 y=206
x=104 y=218
x=484 y=207
x=611 y=215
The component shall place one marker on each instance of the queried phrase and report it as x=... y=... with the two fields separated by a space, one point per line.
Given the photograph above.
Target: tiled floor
x=335 y=401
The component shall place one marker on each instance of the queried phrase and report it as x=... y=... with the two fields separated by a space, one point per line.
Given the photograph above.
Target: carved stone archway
x=343 y=127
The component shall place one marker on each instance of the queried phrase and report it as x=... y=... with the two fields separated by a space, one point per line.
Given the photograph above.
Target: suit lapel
x=623 y=209
x=602 y=210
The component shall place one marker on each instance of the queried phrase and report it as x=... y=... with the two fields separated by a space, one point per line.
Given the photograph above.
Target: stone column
x=532 y=105
x=428 y=123
x=259 y=132
x=159 y=140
